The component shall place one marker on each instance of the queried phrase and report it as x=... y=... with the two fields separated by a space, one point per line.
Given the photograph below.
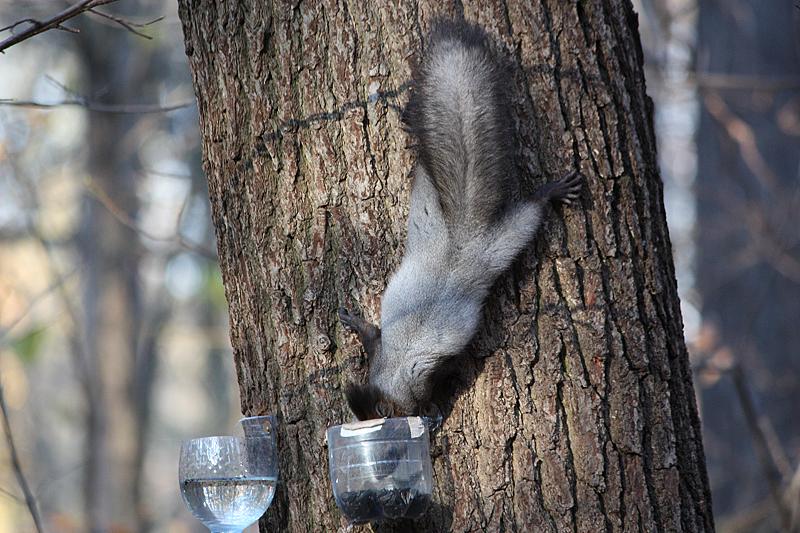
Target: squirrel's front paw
x=565 y=191
x=348 y=320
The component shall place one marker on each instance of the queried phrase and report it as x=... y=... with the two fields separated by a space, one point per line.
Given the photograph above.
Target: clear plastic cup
x=381 y=469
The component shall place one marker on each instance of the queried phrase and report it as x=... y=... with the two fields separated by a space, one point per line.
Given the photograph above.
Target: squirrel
x=464 y=226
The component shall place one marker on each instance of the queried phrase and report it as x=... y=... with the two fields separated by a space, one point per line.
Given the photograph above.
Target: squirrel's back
x=465 y=228
x=459 y=112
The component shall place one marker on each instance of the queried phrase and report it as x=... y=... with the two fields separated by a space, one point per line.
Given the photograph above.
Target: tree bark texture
x=574 y=410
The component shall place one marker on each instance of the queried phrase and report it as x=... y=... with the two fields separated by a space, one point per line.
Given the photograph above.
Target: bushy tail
x=459 y=111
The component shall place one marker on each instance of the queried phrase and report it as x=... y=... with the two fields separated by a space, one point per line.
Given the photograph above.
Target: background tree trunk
x=576 y=410
x=111 y=299
x=748 y=257
x=120 y=327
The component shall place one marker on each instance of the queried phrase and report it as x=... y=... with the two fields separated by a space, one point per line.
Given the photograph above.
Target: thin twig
x=127 y=24
x=181 y=175
x=7 y=493
x=742 y=134
x=793 y=500
x=35 y=22
x=71 y=92
x=719 y=81
x=127 y=109
x=760 y=443
x=84 y=360
x=30 y=501
x=38 y=26
x=17 y=23
x=74 y=98
x=4 y=332
x=767 y=242
x=123 y=218
x=747 y=520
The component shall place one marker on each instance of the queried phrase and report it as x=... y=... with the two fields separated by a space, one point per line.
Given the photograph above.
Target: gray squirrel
x=464 y=226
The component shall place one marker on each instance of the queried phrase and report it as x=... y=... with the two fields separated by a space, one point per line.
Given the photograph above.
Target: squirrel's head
x=368 y=402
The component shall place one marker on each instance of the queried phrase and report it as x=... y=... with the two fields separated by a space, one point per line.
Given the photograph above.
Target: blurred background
x=113 y=325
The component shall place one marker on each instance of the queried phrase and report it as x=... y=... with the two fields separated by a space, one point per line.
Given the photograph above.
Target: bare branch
x=709 y=80
x=74 y=98
x=17 y=23
x=123 y=218
x=768 y=465
x=793 y=500
x=718 y=358
x=127 y=24
x=30 y=501
x=749 y=519
x=35 y=22
x=56 y=285
x=67 y=90
x=769 y=241
x=126 y=109
x=7 y=493
x=742 y=134
x=55 y=22
x=145 y=171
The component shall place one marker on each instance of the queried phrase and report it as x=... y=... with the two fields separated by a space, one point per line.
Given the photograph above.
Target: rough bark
x=575 y=409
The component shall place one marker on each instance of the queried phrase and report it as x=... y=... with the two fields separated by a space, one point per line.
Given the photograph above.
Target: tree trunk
x=111 y=295
x=576 y=410
x=118 y=347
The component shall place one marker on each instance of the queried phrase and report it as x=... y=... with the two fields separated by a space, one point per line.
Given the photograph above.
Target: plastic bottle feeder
x=381 y=469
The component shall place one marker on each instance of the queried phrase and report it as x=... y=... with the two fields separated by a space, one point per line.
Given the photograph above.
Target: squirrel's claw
x=347 y=319
x=566 y=190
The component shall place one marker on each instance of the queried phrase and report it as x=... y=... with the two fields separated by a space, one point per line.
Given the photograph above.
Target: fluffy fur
x=464 y=229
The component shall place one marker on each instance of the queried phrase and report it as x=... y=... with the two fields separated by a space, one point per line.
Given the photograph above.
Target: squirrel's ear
x=363 y=400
